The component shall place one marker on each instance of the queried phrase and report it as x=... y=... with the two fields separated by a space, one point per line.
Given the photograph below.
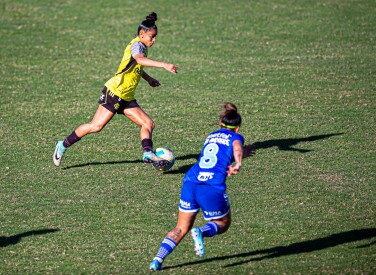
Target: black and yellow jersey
x=128 y=75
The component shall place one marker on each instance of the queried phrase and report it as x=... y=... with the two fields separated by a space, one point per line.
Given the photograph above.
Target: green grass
x=303 y=76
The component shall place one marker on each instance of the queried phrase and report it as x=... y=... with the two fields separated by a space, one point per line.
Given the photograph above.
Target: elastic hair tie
x=228 y=126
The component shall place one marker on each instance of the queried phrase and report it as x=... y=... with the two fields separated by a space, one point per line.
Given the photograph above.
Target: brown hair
x=230 y=118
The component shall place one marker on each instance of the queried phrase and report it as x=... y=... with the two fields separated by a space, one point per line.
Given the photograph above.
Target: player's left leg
x=215 y=206
x=138 y=116
x=173 y=238
x=100 y=119
x=210 y=229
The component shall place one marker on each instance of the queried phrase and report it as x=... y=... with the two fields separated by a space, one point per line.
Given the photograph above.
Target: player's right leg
x=101 y=117
x=138 y=116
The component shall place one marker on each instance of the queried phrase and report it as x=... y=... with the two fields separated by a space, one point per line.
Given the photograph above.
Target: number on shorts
x=209 y=158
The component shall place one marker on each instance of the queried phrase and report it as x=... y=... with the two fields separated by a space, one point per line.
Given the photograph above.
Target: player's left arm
x=237 y=148
x=152 y=81
x=147 y=62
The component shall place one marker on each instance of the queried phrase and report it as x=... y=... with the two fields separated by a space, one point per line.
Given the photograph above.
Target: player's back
x=215 y=157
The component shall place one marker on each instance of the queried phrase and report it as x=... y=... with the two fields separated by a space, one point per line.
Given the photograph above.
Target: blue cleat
x=198 y=239
x=59 y=152
x=155 y=265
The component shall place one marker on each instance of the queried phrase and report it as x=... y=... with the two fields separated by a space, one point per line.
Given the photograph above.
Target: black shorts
x=115 y=104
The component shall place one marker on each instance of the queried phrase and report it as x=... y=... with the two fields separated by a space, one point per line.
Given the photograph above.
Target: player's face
x=148 y=38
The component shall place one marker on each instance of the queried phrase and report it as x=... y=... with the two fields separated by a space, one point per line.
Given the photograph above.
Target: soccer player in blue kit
x=204 y=186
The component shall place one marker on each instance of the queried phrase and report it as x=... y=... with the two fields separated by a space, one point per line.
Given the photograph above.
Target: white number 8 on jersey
x=209 y=158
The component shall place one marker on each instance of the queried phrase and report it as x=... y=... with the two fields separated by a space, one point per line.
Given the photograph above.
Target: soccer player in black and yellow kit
x=118 y=95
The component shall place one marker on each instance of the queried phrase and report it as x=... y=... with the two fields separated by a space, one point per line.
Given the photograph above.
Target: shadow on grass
x=286 y=144
x=295 y=248
x=102 y=163
x=282 y=144
x=15 y=239
x=126 y=161
x=183 y=169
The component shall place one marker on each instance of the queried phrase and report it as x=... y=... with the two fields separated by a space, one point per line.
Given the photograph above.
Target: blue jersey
x=216 y=156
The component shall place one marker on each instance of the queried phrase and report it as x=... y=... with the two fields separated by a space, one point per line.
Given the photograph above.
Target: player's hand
x=233 y=170
x=153 y=82
x=249 y=151
x=172 y=68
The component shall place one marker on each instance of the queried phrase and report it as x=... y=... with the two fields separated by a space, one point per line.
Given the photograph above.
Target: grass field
x=303 y=74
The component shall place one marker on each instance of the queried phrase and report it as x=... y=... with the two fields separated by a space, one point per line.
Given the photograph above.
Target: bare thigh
x=138 y=116
x=100 y=119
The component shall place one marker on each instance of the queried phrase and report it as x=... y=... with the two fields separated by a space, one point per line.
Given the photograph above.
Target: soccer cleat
x=59 y=152
x=151 y=158
x=155 y=265
x=198 y=239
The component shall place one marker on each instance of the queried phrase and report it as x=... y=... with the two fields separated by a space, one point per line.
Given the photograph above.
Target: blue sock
x=167 y=246
x=210 y=229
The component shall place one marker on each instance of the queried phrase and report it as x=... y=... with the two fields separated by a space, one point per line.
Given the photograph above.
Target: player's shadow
x=282 y=144
x=195 y=156
x=288 y=143
x=15 y=239
x=102 y=163
x=295 y=248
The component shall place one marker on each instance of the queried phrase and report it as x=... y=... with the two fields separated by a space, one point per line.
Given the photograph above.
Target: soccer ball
x=167 y=154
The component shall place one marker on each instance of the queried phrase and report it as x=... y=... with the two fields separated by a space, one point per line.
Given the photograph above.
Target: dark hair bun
x=230 y=118
x=228 y=108
x=152 y=17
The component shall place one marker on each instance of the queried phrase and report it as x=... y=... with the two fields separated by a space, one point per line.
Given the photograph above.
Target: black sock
x=147 y=144
x=71 y=139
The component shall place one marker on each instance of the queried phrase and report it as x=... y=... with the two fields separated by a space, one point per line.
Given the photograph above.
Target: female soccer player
x=204 y=186
x=118 y=95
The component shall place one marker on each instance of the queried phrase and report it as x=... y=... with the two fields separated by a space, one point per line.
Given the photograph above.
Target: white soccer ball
x=167 y=154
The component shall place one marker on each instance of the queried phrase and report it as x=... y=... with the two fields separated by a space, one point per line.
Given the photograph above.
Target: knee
x=224 y=224
x=149 y=124
x=95 y=127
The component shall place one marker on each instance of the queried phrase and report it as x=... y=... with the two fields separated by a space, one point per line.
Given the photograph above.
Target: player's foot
x=151 y=158
x=198 y=241
x=155 y=265
x=59 y=152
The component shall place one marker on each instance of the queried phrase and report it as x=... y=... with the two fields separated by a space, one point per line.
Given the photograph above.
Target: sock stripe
x=210 y=229
x=158 y=259
x=167 y=246
x=215 y=226
x=169 y=242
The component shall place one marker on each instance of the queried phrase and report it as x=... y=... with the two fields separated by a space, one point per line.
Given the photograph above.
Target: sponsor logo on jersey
x=220 y=138
x=137 y=71
x=204 y=176
x=185 y=204
x=213 y=213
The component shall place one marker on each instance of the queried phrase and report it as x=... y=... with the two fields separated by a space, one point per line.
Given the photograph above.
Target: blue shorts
x=213 y=200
